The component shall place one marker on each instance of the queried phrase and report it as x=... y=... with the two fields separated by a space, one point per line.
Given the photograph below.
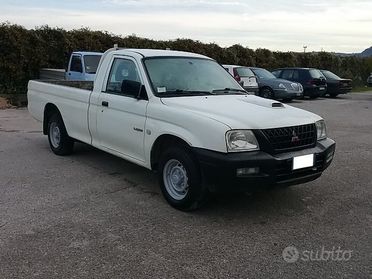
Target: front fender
x=195 y=129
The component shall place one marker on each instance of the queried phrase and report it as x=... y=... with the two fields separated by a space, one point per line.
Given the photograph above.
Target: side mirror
x=133 y=88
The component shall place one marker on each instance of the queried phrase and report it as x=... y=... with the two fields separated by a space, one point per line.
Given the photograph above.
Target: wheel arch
x=161 y=143
x=266 y=87
x=49 y=110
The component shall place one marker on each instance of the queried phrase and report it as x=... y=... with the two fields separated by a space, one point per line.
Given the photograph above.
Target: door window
x=76 y=65
x=287 y=74
x=123 y=77
x=296 y=75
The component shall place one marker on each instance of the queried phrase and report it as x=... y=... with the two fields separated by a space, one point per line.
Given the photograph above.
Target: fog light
x=247 y=171
x=330 y=156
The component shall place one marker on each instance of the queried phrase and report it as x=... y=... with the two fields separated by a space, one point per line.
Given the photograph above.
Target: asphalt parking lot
x=92 y=215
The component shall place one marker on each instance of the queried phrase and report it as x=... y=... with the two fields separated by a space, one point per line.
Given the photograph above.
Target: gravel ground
x=92 y=215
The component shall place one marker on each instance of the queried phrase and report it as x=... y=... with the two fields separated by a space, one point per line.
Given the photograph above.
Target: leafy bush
x=24 y=52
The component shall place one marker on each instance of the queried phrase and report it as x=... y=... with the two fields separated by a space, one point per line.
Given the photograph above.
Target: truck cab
x=83 y=65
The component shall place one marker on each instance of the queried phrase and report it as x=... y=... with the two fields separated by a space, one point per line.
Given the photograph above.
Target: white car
x=244 y=76
x=184 y=116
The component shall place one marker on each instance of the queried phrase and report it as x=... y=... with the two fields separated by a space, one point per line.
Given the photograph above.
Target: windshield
x=330 y=75
x=315 y=73
x=91 y=63
x=186 y=75
x=263 y=74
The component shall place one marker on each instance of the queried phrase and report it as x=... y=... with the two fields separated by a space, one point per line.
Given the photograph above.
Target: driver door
x=121 y=117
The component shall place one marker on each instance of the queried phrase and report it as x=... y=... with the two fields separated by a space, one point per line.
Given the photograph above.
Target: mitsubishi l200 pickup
x=182 y=115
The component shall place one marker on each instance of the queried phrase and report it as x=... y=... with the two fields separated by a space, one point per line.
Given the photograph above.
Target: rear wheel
x=180 y=180
x=59 y=141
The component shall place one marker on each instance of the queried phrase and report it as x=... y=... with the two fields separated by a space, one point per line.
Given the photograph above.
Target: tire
x=180 y=179
x=313 y=97
x=287 y=100
x=267 y=93
x=59 y=141
x=333 y=95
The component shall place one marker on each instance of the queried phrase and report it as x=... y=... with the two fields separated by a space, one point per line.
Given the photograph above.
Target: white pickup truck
x=184 y=116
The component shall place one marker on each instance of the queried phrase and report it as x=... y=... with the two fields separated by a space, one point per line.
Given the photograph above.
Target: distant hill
x=365 y=53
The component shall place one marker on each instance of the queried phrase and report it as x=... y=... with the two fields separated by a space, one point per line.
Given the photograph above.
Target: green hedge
x=23 y=52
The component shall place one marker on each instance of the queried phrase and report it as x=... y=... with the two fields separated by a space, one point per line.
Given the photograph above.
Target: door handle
x=105 y=104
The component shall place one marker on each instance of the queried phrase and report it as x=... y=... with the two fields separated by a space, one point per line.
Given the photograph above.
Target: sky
x=284 y=25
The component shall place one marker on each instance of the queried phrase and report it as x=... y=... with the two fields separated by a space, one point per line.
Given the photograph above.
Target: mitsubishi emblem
x=295 y=138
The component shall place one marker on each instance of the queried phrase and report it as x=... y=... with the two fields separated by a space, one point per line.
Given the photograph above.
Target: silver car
x=244 y=76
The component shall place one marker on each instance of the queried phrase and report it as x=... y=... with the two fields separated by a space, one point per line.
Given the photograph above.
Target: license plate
x=322 y=88
x=304 y=161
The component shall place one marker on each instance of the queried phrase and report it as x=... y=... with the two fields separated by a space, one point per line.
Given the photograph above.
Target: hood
x=243 y=111
x=275 y=81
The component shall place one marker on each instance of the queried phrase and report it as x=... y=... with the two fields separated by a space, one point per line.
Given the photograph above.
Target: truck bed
x=86 y=85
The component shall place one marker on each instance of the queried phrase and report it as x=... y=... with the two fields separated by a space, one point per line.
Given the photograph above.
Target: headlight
x=241 y=140
x=282 y=86
x=321 y=129
x=301 y=87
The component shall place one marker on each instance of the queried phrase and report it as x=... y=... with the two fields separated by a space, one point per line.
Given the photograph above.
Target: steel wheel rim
x=175 y=179
x=55 y=134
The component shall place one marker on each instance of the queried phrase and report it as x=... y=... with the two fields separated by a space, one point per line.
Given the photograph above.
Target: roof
x=87 y=53
x=293 y=68
x=160 y=52
x=235 y=66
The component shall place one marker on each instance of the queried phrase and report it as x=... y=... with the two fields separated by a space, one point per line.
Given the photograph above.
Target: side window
x=296 y=75
x=76 y=65
x=123 y=78
x=287 y=74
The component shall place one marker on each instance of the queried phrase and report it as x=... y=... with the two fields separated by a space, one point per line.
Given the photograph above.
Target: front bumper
x=287 y=94
x=219 y=170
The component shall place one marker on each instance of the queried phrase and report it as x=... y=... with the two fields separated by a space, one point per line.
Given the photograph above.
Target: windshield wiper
x=188 y=92
x=230 y=89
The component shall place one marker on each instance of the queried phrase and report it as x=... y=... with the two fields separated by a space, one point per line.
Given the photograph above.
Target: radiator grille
x=291 y=138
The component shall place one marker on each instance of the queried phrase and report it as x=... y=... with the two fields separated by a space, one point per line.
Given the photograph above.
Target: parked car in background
x=312 y=80
x=335 y=84
x=244 y=76
x=83 y=65
x=369 y=80
x=276 y=88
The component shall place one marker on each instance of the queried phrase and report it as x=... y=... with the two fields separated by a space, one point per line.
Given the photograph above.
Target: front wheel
x=180 y=180
x=267 y=93
x=59 y=141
